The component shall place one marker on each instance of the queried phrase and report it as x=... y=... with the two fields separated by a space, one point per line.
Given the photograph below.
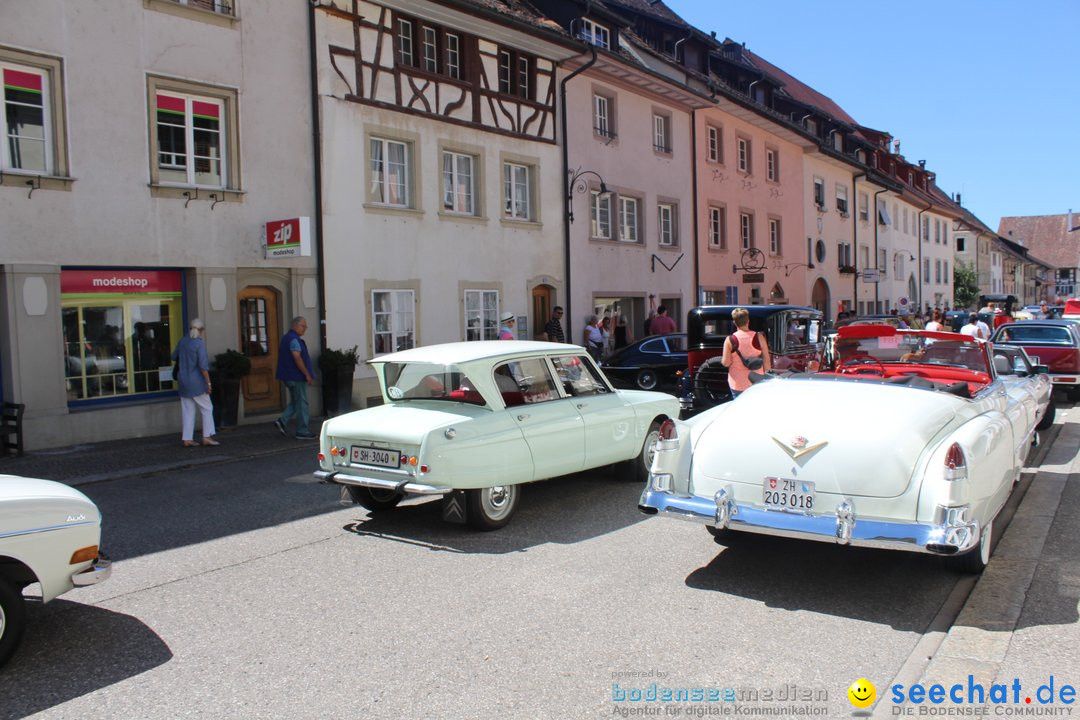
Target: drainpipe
x=750 y=90
x=316 y=142
x=855 y=234
x=877 y=224
x=689 y=34
x=919 y=221
x=694 y=190
x=567 y=199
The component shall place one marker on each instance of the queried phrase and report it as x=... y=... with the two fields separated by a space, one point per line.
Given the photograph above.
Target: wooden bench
x=11 y=428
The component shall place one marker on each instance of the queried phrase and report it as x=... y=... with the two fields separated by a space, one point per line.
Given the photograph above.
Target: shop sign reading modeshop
x=288 y=238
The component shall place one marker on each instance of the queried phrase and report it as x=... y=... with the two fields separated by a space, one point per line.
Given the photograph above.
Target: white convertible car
x=49 y=534
x=473 y=421
x=905 y=439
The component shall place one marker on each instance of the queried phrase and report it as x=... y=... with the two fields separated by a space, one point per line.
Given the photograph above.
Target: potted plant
x=337 y=367
x=230 y=367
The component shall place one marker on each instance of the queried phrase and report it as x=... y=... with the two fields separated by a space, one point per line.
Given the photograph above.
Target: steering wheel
x=863 y=365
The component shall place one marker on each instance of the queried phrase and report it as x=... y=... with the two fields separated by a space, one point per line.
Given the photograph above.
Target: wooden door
x=541 y=308
x=260 y=333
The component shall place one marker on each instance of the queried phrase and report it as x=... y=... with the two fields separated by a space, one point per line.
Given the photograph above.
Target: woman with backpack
x=745 y=351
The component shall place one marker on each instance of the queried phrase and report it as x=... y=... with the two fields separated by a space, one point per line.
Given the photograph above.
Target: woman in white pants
x=194 y=379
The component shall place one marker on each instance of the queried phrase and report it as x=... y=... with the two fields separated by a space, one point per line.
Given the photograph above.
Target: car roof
x=466 y=352
x=1056 y=322
x=754 y=310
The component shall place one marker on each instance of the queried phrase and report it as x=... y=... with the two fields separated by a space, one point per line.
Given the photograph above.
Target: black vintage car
x=648 y=363
x=795 y=336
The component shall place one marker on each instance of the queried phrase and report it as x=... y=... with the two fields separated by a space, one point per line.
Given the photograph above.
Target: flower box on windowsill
x=847 y=269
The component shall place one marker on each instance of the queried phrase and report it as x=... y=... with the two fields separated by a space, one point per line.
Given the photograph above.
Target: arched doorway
x=543 y=299
x=820 y=298
x=260 y=330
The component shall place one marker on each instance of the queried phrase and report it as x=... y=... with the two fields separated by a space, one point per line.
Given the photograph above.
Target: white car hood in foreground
x=32 y=504
x=859 y=438
x=407 y=422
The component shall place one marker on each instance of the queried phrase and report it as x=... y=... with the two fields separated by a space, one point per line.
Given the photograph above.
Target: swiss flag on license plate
x=772 y=483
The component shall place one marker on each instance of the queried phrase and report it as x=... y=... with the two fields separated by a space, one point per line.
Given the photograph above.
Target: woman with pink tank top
x=738 y=373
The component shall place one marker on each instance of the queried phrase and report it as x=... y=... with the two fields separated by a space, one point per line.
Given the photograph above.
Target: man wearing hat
x=506 y=328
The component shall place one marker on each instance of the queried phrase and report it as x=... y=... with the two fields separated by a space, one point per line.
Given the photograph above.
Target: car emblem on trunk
x=799 y=446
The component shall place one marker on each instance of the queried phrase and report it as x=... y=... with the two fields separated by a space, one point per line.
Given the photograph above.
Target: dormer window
x=594 y=34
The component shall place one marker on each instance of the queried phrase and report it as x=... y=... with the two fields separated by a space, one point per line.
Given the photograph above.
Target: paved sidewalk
x=94 y=462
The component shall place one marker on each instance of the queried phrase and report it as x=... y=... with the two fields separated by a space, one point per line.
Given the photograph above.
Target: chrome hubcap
x=650 y=448
x=2 y=621
x=498 y=500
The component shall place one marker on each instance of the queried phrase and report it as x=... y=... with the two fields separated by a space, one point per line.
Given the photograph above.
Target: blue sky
x=987 y=91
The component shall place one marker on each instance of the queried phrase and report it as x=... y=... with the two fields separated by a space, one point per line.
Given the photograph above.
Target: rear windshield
x=428 y=381
x=1042 y=334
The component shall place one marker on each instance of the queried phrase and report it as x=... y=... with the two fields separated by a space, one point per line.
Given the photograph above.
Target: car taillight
x=667 y=430
x=955 y=463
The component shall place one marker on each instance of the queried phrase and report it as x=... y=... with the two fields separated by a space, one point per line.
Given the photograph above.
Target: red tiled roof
x=657 y=10
x=801 y=92
x=1046 y=236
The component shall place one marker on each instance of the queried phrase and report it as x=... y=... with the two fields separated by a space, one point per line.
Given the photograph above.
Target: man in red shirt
x=662 y=324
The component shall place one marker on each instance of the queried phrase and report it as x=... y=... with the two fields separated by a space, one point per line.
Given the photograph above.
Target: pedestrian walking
x=594 y=338
x=294 y=369
x=554 y=327
x=193 y=376
x=506 y=329
x=744 y=351
x=662 y=324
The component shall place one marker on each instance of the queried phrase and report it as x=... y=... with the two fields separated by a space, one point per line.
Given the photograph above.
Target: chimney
x=922 y=164
x=896 y=147
x=958 y=199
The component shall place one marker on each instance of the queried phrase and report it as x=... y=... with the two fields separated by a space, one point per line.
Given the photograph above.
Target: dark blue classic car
x=648 y=363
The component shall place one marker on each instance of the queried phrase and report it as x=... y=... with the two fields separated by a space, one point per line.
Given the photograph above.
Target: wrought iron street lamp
x=578 y=184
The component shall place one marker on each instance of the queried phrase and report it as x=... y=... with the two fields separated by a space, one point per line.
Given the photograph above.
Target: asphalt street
x=243 y=589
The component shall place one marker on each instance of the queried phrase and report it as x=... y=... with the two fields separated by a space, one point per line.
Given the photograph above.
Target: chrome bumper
x=951 y=533
x=99 y=571
x=401 y=486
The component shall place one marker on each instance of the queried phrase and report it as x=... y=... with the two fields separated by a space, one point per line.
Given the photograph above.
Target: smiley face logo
x=862 y=693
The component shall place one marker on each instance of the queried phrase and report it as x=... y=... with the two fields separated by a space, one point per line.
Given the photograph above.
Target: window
x=715 y=148
x=905 y=221
x=937 y=231
x=390 y=179
x=481 y=314
x=525 y=381
x=743 y=146
x=601 y=216
x=864 y=256
x=405 y=42
x=32 y=115
x=937 y=271
x=515 y=74
x=926 y=271
x=926 y=229
x=578 y=377
x=718 y=227
x=666 y=223
x=431 y=49
x=841 y=199
x=883 y=214
x=594 y=34
x=217 y=6
x=945 y=271
x=393 y=321
x=960 y=243
x=819 y=193
x=864 y=207
x=881 y=260
x=774 y=236
x=843 y=256
x=517 y=194
x=190 y=140
x=458 y=183
x=772 y=169
x=628 y=219
x=661 y=138
x=944 y=232
x=453 y=56
x=602 y=119
x=746 y=230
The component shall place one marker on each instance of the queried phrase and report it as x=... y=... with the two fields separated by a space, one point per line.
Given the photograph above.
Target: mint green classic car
x=475 y=421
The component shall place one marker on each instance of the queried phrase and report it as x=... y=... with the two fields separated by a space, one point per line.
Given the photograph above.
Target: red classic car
x=1053 y=343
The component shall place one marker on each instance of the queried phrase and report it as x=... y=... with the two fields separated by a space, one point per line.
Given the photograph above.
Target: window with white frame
x=945 y=272
x=718 y=227
x=883 y=214
x=459 y=183
x=864 y=207
x=393 y=321
x=661 y=136
x=390 y=181
x=881 y=260
x=481 y=314
x=864 y=256
x=819 y=193
x=453 y=56
x=430 y=48
x=628 y=219
x=841 y=199
x=926 y=271
x=937 y=271
x=405 y=42
x=715 y=151
x=960 y=243
x=926 y=229
x=516 y=73
x=601 y=216
x=944 y=232
x=746 y=230
x=937 y=231
x=772 y=168
x=905 y=219
x=517 y=191
x=602 y=116
x=595 y=34
x=843 y=255
x=666 y=224
x=774 y=236
x=743 y=147
x=27 y=117
x=190 y=140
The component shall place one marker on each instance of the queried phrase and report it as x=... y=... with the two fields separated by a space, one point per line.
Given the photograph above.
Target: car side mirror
x=1041 y=370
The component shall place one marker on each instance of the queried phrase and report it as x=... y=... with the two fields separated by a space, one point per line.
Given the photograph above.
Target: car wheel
x=491 y=508
x=12 y=619
x=1074 y=394
x=374 y=499
x=646 y=379
x=710 y=383
x=1048 y=417
x=975 y=560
